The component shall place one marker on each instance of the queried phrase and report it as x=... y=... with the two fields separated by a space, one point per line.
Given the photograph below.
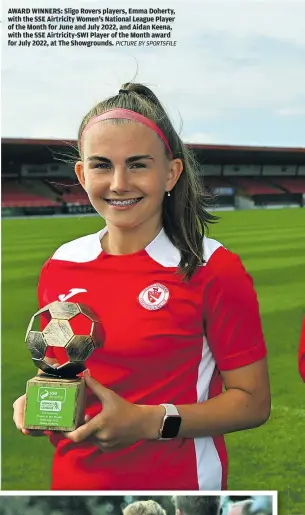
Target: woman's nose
x=119 y=180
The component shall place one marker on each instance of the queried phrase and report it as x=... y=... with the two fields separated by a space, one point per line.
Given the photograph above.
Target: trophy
x=55 y=397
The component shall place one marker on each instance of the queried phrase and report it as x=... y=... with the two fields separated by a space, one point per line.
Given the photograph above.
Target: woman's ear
x=79 y=170
x=175 y=170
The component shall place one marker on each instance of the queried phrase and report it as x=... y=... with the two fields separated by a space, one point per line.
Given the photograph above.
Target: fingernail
x=88 y=371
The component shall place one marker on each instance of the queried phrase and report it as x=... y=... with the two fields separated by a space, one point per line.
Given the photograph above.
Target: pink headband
x=128 y=115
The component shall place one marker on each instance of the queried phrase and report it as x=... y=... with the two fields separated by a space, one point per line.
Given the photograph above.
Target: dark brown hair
x=197 y=505
x=184 y=213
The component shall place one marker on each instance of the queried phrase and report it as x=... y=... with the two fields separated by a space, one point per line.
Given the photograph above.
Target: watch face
x=171 y=426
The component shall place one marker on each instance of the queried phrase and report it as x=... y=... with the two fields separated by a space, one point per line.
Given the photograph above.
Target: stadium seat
x=292 y=185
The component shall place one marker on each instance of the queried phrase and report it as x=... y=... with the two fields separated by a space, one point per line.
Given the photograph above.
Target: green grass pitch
x=272 y=246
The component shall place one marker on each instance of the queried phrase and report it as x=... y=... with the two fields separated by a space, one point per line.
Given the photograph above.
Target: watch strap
x=170 y=410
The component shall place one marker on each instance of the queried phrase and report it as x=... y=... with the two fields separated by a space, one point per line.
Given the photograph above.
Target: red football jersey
x=166 y=341
x=302 y=352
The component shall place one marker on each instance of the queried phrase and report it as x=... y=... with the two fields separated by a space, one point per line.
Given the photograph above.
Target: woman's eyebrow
x=129 y=160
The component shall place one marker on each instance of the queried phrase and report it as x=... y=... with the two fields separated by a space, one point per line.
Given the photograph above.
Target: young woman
x=179 y=311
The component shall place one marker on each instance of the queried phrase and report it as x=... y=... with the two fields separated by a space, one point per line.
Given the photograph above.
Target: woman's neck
x=119 y=241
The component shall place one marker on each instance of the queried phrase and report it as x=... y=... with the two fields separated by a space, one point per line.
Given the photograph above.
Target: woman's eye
x=138 y=165
x=103 y=166
x=108 y=166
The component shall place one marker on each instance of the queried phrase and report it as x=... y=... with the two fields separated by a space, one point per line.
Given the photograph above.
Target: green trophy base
x=54 y=404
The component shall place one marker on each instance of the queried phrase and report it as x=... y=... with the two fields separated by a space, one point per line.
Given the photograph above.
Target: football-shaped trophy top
x=60 y=332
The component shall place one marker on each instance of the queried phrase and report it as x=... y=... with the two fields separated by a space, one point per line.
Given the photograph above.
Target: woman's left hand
x=120 y=423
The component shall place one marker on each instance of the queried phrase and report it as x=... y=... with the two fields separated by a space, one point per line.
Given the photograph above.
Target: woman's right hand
x=18 y=417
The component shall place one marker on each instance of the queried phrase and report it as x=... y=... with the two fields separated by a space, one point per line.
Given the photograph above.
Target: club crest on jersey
x=154 y=296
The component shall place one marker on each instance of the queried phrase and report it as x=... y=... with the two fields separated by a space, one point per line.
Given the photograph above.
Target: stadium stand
x=15 y=195
x=38 y=177
x=217 y=182
x=252 y=186
x=70 y=191
x=291 y=185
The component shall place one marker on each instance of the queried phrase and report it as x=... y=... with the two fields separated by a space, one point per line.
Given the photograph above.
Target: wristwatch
x=170 y=424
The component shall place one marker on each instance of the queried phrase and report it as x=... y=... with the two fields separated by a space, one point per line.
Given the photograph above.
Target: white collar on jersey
x=161 y=249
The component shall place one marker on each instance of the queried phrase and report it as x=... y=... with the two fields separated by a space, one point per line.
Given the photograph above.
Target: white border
x=164 y=493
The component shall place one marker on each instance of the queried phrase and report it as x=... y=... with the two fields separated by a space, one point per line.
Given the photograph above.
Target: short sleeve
x=42 y=292
x=232 y=319
x=301 y=357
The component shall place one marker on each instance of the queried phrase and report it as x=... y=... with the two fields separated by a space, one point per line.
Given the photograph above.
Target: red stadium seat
x=256 y=187
x=292 y=185
x=71 y=192
x=15 y=195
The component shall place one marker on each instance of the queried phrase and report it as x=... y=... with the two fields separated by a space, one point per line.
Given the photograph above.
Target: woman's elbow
x=263 y=411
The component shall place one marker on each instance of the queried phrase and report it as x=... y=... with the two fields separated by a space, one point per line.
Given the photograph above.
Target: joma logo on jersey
x=154 y=296
x=71 y=293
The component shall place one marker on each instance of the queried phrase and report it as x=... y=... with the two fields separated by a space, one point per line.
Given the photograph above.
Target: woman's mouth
x=123 y=203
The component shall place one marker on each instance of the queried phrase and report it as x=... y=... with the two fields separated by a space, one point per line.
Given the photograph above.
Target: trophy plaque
x=55 y=397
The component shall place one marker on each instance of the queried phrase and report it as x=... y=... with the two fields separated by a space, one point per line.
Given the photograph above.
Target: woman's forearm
x=233 y=410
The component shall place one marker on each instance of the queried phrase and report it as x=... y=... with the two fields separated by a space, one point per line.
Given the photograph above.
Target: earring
x=168 y=193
